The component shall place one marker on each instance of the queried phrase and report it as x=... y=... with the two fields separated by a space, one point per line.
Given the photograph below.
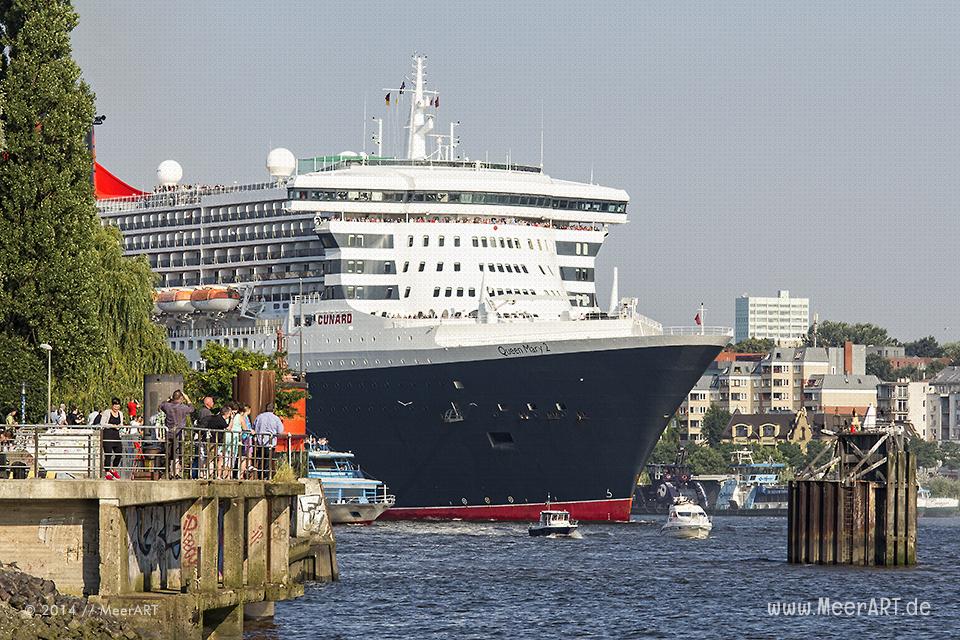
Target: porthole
x=463 y=500
x=487 y=499
x=510 y=499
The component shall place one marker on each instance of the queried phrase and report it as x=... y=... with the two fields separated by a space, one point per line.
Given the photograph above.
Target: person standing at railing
x=175 y=412
x=217 y=425
x=110 y=422
x=246 y=442
x=231 y=444
x=267 y=427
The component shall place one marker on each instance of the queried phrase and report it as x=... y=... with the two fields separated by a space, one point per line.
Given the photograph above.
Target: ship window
x=475 y=241
x=350 y=292
x=359 y=266
x=510 y=243
x=483 y=242
x=439 y=266
x=426 y=241
x=490 y=267
x=422 y=266
x=531 y=406
x=499 y=292
x=359 y=293
x=481 y=266
x=460 y=292
x=406 y=266
x=500 y=439
x=436 y=292
x=524 y=267
x=406 y=293
x=456 y=266
x=448 y=292
x=530 y=244
x=472 y=292
x=456 y=241
x=440 y=241
x=389 y=296
x=409 y=241
x=500 y=268
x=503 y=243
x=509 y=269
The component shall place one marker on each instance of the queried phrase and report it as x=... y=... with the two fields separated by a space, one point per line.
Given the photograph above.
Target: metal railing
x=146 y=453
x=697 y=331
x=186 y=194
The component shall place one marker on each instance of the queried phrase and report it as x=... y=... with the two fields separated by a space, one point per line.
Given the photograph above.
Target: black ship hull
x=497 y=439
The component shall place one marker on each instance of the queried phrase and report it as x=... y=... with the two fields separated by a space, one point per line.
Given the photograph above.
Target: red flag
x=697 y=320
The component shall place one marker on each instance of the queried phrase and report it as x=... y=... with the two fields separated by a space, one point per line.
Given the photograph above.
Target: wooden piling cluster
x=858 y=508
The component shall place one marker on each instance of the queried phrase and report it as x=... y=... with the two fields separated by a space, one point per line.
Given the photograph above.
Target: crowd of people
x=179 y=441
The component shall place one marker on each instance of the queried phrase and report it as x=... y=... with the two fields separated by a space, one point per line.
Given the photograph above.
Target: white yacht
x=686 y=520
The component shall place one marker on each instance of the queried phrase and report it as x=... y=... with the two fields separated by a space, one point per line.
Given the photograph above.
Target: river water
x=467 y=580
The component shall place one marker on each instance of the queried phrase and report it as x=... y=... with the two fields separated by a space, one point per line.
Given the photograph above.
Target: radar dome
x=349 y=154
x=169 y=173
x=281 y=163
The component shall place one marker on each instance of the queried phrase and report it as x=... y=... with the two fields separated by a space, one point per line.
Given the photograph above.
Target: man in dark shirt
x=217 y=424
x=175 y=413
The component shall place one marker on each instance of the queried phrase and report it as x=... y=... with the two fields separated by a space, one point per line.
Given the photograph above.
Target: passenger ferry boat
x=755 y=487
x=352 y=497
x=443 y=311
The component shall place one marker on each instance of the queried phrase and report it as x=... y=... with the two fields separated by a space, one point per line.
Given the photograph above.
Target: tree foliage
x=879 y=366
x=927 y=347
x=665 y=451
x=222 y=366
x=753 y=345
x=707 y=460
x=834 y=334
x=63 y=280
x=714 y=423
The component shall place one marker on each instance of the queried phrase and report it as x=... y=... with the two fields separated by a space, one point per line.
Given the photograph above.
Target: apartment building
x=783 y=319
x=943 y=405
x=840 y=394
x=698 y=400
x=905 y=402
x=783 y=373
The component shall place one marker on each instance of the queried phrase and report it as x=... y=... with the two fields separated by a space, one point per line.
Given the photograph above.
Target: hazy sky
x=765 y=145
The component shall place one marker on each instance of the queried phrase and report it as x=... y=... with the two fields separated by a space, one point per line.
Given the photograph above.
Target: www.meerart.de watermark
x=850 y=608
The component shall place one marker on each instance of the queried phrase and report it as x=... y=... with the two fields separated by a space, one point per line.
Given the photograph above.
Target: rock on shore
x=31 y=607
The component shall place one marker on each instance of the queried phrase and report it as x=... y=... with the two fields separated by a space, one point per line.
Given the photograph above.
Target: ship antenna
x=541 y=135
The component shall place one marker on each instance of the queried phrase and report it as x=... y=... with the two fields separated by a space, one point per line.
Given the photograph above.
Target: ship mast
x=421 y=123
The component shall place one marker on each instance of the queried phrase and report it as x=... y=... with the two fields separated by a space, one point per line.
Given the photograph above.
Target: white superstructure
x=423 y=241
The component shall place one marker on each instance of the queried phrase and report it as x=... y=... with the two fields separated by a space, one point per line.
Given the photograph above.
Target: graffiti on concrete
x=191 y=547
x=153 y=543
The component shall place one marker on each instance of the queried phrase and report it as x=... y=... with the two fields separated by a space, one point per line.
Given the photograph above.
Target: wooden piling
x=858 y=509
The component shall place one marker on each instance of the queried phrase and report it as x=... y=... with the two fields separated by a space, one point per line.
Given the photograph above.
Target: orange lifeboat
x=215 y=299
x=174 y=301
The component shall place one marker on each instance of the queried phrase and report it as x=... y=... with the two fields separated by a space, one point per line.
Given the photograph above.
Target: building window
x=406 y=293
x=422 y=266
x=460 y=292
x=472 y=292
x=456 y=241
x=409 y=241
x=475 y=241
x=448 y=292
x=436 y=292
x=426 y=241
x=439 y=241
x=406 y=266
x=439 y=266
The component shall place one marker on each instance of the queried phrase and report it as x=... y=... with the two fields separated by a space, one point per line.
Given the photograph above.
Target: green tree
x=924 y=348
x=834 y=334
x=63 y=278
x=792 y=454
x=222 y=366
x=753 y=345
x=706 y=460
x=814 y=447
x=48 y=223
x=933 y=369
x=665 y=451
x=879 y=366
x=714 y=423
x=927 y=453
x=952 y=350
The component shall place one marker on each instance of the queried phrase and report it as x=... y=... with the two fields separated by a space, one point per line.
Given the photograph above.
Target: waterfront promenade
x=186 y=558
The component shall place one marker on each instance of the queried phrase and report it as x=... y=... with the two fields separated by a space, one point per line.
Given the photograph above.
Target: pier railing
x=146 y=453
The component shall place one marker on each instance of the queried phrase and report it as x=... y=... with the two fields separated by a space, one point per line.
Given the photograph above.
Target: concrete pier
x=187 y=557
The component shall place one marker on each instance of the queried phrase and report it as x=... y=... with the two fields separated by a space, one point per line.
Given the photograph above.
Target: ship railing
x=380 y=498
x=146 y=452
x=223 y=331
x=176 y=197
x=698 y=331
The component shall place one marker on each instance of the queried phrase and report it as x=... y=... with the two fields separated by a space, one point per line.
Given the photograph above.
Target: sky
x=765 y=145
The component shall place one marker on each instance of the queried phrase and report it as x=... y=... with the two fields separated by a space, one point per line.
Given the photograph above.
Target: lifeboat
x=215 y=299
x=175 y=301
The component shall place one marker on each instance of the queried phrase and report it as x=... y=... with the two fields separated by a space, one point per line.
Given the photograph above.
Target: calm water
x=439 y=580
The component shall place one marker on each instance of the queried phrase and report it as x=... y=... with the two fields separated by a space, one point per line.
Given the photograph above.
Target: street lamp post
x=46 y=347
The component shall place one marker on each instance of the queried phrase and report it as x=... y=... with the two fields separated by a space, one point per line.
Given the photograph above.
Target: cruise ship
x=443 y=311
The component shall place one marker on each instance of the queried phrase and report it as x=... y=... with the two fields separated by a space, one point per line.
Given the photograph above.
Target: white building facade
x=783 y=319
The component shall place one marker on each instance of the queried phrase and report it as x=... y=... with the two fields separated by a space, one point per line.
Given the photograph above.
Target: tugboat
x=554 y=523
x=668 y=482
x=352 y=497
x=686 y=520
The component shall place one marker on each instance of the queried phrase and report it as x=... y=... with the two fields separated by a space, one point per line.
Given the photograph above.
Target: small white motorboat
x=686 y=520
x=554 y=523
